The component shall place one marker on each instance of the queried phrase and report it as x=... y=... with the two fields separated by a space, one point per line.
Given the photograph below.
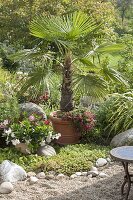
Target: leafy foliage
x=115 y=115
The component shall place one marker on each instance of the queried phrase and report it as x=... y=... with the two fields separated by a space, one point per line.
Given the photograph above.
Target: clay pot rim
x=51 y=117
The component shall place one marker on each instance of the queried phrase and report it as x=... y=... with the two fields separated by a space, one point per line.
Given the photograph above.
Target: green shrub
x=9 y=108
x=115 y=115
x=68 y=160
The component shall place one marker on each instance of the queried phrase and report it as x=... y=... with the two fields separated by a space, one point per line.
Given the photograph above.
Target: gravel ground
x=81 y=188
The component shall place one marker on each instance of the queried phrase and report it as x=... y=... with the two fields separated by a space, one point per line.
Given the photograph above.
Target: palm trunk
x=66 y=103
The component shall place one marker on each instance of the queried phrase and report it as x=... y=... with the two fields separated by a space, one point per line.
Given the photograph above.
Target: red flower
x=47 y=122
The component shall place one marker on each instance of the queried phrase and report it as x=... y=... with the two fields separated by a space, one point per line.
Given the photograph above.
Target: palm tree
x=70 y=36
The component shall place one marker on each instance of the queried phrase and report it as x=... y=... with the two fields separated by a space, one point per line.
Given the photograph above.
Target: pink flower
x=46 y=122
x=2 y=126
x=31 y=118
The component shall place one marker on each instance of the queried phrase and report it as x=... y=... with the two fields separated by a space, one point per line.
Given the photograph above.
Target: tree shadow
x=105 y=189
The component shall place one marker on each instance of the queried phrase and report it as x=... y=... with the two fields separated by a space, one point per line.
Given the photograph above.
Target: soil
x=81 y=188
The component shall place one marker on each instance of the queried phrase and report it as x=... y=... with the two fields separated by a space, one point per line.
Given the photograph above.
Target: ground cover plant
x=69 y=159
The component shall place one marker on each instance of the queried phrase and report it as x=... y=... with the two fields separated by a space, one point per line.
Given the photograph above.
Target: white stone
x=89 y=176
x=60 y=176
x=103 y=175
x=93 y=173
x=41 y=175
x=108 y=160
x=10 y=172
x=6 y=188
x=49 y=176
x=29 y=174
x=84 y=173
x=94 y=169
x=46 y=151
x=78 y=173
x=101 y=162
x=73 y=176
x=33 y=180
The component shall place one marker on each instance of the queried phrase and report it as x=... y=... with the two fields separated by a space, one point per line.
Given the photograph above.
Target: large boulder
x=11 y=172
x=123 y=139
x=31 y=108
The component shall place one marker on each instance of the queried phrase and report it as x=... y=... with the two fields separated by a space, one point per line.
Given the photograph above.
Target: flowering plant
x=84 y=120
x=31 y=130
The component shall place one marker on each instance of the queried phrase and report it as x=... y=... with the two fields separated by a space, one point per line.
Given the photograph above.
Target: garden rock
x=93 y=173
x=73 y=176
x=84 y=173
x=108 y=160
x=123 y=139
x=41 y=175
x=60 y=176
x=46 y=151
x=33 y=180
x=6 y=188
x=103 y=175
x=94 y=169
x=29 y=174
x=101 y=162
x=23 y=148
x=31 y=108
x=89 y=176
x=49 y=176
x=10 y=172
x=78 y=173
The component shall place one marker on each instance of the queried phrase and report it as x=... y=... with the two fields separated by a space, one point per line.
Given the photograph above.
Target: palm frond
x=87 y=62
x=112 y=48
x=111 y=74
x=90 y=85
x=39 y=76
x=67 y=28
x=29 y=54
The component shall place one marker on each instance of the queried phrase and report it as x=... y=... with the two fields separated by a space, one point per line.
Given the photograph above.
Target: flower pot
x=69 y=134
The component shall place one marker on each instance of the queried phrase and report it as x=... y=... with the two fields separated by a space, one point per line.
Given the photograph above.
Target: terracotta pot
x=69 y=134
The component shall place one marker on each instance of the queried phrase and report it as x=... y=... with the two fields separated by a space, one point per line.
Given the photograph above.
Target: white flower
x=7 y=142
x=49 y=138
x=6 y=122
x=12 y=135
x=43 y=142
x=15 y=142
x=19 y=73
x=8 y=132
x=57 y=136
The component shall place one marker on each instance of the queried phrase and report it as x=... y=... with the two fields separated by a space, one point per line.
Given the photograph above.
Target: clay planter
x=69 y=134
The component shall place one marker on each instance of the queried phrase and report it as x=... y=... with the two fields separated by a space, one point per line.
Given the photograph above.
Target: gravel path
x=81 y=188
